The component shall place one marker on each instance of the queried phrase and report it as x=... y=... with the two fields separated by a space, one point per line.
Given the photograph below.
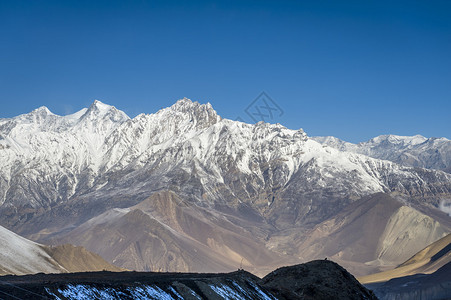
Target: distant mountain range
x=411 y=151
x=186 y=190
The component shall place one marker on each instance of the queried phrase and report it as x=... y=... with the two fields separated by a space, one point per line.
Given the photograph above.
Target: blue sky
x=352 y=69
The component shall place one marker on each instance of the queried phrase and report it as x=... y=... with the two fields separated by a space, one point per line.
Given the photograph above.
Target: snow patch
x=150 y=292
x=226 y=292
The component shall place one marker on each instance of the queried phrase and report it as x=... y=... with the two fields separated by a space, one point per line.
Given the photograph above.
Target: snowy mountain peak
x=187 y=105
x=43 y=110
x=192 y=113
x=100 y=106
x=36 y=116
x=184 y=100
x=99 y=110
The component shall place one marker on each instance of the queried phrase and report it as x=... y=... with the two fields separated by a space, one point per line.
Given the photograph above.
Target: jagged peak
x=199 y=115
x=99 y=109
x=186 y=104
x=42 y=110
x=98 y=105
x=186 y=100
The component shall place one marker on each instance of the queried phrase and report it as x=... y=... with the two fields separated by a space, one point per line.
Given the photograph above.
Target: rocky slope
x=166 y=233
x=372 y=234
x=94 y=176
x=21 y=256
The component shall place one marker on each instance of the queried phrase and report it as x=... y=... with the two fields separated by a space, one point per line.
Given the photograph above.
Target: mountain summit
x=99 y=110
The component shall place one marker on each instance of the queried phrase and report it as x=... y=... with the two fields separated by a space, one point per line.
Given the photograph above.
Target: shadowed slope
x=428 y=260
x=419 y=286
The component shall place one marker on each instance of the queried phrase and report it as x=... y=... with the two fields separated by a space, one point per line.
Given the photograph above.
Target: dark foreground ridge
x=313 y=280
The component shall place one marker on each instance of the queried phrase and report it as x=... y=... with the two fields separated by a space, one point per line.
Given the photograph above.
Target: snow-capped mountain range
x=60 y=171
x=47 y=158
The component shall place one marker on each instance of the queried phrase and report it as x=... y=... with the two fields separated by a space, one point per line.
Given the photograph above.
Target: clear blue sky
x=352 y=69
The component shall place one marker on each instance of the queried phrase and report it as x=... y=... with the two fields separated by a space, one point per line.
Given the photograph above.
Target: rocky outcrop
x=316 y=280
